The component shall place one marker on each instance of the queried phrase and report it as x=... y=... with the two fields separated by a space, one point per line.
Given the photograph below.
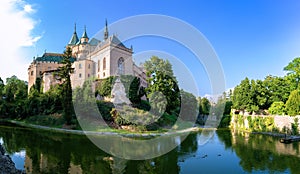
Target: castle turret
x=84 y=38
x=106 y=30
x=74 y=38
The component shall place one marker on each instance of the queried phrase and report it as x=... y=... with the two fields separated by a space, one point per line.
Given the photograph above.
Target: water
x=38 y=151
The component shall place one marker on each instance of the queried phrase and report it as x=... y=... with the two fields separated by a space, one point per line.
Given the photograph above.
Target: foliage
x=293 y=103
x=136 y=91
x=293 y=68
x=241 y=95
x=223 y=105
x=105 y=109
x=225 y=121
x=259 y=95
x=161 y=79
x=189 y=108
x=13 y=98
x=204 y=106
x=131 y=84
x=277 y=108
x=105 y=86
x=255 y=123
x=64 y=73
x=55 y=120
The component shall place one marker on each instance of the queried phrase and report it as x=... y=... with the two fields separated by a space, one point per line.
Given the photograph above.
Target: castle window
x=80 y=75
x=104 y=63
x=121 y=66
x=32 y=73
x=80 y=66
x=98 y=65
x=88 y=75
x=89 y=66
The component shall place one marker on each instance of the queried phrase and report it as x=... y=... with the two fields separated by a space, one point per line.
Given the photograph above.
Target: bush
x=293 y=103
x=105 y=109
x=225 y=121
x=277 y=108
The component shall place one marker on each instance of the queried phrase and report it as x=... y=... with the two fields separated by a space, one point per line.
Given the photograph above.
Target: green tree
x=105 y=86
x=204 y=107
x=189 y=108
x=15 y=96
x=161 y=79
x=278 y=89
x=293 y=103
x=136 y=91
x=242 y=95
x=294 y=68
x=64 y=73
x=277 y=108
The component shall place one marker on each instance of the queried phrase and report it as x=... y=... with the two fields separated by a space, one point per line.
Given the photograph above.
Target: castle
x=91 y=58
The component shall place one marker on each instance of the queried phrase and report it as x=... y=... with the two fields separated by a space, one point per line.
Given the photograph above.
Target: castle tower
x=74 y=38
x=106 y=30
x=84 y=38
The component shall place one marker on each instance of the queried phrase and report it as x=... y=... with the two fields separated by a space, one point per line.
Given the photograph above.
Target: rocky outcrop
x=7 y=166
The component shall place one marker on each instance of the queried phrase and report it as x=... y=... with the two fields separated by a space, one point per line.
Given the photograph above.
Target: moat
x=37 y=151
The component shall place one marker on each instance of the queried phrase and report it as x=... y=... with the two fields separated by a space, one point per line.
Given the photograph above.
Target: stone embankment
x=7 y=166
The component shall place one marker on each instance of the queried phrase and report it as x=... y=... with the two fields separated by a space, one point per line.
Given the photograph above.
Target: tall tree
x=294 y=68
x=278 y=88
x=293 y=103
x=15 y=96
x=64 y=73
x=241 y=95
x=136 y=91
x=204 y=106
x=189 y=106
x=162 y=79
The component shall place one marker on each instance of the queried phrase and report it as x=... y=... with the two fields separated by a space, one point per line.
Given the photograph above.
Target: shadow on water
x=50 y=152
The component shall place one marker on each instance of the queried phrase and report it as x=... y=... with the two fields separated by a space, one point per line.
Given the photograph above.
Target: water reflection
x=226 y=151
x=262 y=153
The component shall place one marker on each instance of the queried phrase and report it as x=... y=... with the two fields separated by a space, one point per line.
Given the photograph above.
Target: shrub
x=293 y=103
x=277 y=108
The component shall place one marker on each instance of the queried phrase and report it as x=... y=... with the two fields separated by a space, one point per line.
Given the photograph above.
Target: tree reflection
x=261 y=152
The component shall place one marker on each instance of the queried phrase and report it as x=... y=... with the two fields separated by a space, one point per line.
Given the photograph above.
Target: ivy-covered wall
x=259 y=123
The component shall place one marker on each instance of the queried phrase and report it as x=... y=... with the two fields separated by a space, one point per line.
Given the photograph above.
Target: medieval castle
x=91 y=58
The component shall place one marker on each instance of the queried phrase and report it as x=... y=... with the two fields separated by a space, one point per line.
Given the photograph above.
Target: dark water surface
x=37 y=151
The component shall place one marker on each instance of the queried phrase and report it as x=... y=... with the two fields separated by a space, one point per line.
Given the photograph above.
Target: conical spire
x=106 y=30
x=84 y=38
x=84 y=35
x=74 y=38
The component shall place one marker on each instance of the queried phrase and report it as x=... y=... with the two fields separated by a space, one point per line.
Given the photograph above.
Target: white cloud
x=28 y=8
x=15 y=33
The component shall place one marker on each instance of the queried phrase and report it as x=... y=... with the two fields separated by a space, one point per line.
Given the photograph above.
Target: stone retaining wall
x=281 y=123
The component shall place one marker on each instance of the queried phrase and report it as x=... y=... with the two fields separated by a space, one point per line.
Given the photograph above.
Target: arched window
x=104 y=63
x=121 y=69
x=98 y=65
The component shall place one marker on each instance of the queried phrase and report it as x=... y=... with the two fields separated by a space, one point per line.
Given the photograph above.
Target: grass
x=53 y=120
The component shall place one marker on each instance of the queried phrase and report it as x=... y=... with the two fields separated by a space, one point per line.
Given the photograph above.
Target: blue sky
x=252 y=38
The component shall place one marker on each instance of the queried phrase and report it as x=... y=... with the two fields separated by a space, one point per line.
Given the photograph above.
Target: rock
x=7 y=166
x=2 y=151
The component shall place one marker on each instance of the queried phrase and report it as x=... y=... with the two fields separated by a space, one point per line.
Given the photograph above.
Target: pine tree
x=64 y=73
